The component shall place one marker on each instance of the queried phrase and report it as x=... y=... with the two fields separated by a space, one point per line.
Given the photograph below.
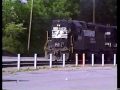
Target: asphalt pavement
x=80 y=78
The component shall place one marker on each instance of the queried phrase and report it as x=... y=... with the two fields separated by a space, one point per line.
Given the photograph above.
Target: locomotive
x=72 y=36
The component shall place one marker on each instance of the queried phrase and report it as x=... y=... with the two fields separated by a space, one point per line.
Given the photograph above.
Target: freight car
x=73 y=36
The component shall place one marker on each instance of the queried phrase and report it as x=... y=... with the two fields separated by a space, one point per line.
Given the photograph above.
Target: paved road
x=82 y=78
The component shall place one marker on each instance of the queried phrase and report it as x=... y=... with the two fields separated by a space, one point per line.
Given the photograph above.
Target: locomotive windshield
x=89 y=33
x=59 y=29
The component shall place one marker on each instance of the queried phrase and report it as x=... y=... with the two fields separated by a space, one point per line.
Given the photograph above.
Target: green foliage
x=13 y=30
x=8 y=14
x=105 y=11
x=12 y=37
x=15 y=36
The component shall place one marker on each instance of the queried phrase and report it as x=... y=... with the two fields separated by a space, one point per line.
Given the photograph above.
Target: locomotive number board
x=59 y=32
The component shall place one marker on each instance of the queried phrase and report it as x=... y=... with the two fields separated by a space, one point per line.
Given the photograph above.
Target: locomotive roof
x=76 y=23
x=61 y=22
x=101 y=26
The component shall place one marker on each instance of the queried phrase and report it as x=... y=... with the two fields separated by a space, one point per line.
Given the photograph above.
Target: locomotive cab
x=58 y=43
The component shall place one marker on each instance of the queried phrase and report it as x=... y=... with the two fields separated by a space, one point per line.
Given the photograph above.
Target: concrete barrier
x=18 y=62
x=76 y=58
x=83 y=59
x=92 y=59
x=35 y=61
x=102 y=59
x=50 y=60
x=114 y=59
x=63 y=60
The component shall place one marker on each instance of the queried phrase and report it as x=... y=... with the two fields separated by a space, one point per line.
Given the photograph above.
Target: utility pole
x=93 y=11
x=30 y=25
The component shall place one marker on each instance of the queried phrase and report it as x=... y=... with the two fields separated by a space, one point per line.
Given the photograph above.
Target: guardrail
x=35 y=58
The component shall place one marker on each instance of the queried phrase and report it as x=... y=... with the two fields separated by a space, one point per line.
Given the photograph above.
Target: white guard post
x=63 y=60
x=83 y=59
x=76 y=59
x=18 y=64
x=102 y=59
x=50 y=60
x=92 y=59
x=35 y=61
x=114 y=59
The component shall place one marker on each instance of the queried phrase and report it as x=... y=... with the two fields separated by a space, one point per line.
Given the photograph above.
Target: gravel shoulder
x=12 y=70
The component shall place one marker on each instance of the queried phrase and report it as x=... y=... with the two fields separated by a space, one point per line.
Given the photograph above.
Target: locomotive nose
x=57 y=44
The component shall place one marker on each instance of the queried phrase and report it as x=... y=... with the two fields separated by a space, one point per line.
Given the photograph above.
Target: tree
x=105 y=11
x=12 y=35
x=44 y=11
x=8 y=14
x=15 y=19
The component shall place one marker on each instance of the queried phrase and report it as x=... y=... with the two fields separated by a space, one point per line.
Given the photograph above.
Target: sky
x=23 y=1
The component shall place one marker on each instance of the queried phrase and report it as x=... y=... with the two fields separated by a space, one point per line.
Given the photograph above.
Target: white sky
x=23 y=1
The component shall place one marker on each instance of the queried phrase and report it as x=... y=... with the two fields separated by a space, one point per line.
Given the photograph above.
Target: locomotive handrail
x=46 y=42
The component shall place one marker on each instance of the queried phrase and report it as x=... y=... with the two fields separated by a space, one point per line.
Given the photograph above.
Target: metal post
x=18 y=64
x=30 y=25
x=35 y=61
x=92 y=59
x=50 y=60
x=63 y=60
x=102 y=59
x=76 y=59
x=114 y=59
x=83 y=59
x=93 y=11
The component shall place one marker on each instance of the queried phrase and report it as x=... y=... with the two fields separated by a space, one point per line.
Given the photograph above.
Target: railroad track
x=29 y=61
x=41 y=61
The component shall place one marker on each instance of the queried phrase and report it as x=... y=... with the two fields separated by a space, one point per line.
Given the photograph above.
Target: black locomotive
x=73 y=36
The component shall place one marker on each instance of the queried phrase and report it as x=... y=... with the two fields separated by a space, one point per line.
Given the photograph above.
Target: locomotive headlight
x=58 y=25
